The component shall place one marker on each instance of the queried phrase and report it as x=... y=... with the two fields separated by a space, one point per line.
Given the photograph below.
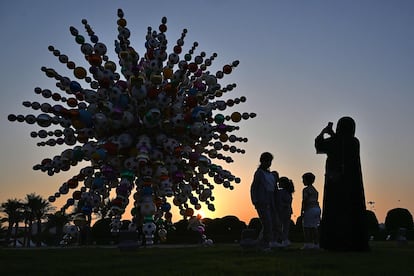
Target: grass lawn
x=385 y=258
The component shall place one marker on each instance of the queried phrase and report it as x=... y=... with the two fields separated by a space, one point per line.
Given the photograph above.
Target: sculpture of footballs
x=150 y=130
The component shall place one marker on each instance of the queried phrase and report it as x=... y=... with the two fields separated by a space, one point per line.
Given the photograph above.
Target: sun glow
x=200 y=214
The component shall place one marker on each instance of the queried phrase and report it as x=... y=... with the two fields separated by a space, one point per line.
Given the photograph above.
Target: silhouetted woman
x=262 y=196
x=343 y=225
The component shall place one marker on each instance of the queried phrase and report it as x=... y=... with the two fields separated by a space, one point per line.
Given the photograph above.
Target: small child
x=311 y=212
x=277 y=224
x=284 y=205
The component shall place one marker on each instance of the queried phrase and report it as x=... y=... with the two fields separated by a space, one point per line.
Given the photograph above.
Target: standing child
x=311 y=212
x=285 y=207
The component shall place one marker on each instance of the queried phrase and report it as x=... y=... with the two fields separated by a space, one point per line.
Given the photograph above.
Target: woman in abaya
x=343 y=224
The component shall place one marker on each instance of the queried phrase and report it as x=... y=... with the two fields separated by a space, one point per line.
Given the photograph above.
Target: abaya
x=343 y=224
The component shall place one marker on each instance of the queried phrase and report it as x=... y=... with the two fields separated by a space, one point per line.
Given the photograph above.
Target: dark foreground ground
x=385 y=258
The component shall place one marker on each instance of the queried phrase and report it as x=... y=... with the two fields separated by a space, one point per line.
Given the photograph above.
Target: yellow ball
x=110 y=66
x=79 y=72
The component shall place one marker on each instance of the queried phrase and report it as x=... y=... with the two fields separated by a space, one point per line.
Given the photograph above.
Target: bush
x=398 y=218
x=225 y=230
x=372 y=223
x=101 y=232
x=181 y=234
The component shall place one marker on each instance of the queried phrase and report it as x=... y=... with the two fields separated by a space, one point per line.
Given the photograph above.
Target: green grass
x=385 y=258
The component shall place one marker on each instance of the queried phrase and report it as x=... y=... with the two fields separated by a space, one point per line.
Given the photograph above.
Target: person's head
x=345 y=127
x=308 y=178
x=287 y=184
x=266 y=159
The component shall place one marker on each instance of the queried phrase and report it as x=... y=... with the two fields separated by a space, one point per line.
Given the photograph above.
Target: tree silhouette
x=13 y=210
x=37 y=208
x=398 y=218
x=2 y=229
x=57 y=221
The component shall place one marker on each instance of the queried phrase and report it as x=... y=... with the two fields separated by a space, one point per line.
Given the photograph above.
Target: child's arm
x=304 y=199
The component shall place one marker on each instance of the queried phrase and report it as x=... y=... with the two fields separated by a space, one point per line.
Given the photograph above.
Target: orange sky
x=227 y=202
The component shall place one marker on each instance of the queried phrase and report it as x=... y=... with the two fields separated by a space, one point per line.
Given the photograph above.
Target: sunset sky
x=302 y=64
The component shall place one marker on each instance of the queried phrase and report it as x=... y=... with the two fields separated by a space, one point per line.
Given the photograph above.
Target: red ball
x=163 y=28
x=227 y=69
x=77 y=195
x=72 y=183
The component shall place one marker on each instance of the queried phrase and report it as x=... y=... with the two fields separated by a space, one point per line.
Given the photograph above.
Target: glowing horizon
x=235 y=203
